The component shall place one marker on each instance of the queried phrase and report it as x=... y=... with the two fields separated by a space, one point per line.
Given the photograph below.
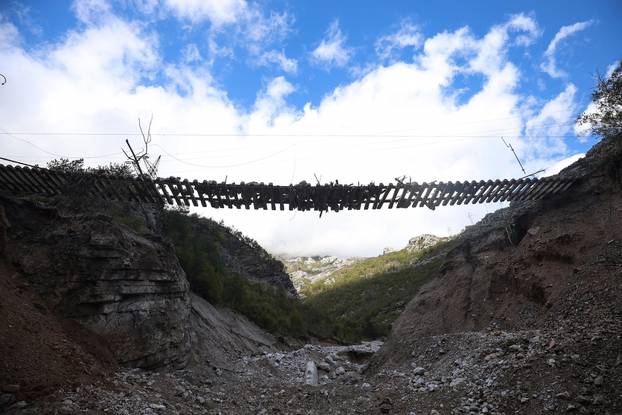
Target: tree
x=604 y=117
x=67 y=166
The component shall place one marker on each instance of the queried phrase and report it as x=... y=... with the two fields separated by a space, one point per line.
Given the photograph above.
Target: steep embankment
x=525 y=310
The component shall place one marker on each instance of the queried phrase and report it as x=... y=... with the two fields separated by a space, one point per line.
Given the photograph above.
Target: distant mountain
x=363 y=296
x=305 y=270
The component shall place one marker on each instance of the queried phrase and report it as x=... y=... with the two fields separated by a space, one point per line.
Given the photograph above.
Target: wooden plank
x=429 y=200
x=449 y=192
x=469 y=192
x=566 y=185
x=230 y=194
x=146 y=190
x=544 y=190
x=95 y=183
x=490 y=188
x=402 y=203
x=245 y=193
x=384 y=197
x=516 y=190
x=156 y=196
x=237 y=195
x=188 y=190
x=10 y=183
x=162 y=186
x=197 y=186
x=498 y=192
x=270 y=193
x=173 y=190
x=459 y=193
x=556 y=189
x=39 y=176
x=398 y=188
x=526 y=194
x=58 y=181
x=111 y=185
x=415 y=192
x=429 y=191
x=445 y=194
x=252 y=193
x=504 y=189
x=549 y=190
x=413 y=196
x=16 y=175
x=16 y=184
x=29 y=176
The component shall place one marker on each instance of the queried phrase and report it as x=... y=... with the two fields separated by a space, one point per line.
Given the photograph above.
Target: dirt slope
x=552 y=270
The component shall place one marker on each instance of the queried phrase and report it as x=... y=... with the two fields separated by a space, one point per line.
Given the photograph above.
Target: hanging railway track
x=321 y=197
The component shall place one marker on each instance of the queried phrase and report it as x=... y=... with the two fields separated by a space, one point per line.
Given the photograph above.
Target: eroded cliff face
x=125 y=286
x=538 y=265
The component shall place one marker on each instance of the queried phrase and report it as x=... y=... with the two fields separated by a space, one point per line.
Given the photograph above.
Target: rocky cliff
x=85 y=292
x=124 y=285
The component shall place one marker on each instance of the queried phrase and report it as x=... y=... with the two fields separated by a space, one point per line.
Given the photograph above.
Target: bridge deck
x=336 y=197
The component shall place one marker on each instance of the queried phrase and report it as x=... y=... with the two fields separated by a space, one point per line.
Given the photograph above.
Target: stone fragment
x=311 y=377
x=456 y=382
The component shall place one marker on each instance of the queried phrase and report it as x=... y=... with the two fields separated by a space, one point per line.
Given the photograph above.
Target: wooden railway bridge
x=320 y=197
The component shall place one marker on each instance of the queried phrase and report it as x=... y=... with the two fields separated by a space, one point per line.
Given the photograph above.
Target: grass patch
x=364 y=299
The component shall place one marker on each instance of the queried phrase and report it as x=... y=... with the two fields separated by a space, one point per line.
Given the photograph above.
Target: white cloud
x=218 y=12
x=270 y=107
x=408 y=35
x=550 y=61
x=562 y=164
x=400 y=119
x=91 y=11
x=256 y=32
x=190 y=53
x=545 y=131
x=286 y=64
x=8 y=34
x=492 y=48
x=332 y=49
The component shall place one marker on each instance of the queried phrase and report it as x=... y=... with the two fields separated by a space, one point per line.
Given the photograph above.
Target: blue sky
x=281 y=91
x=362 y=23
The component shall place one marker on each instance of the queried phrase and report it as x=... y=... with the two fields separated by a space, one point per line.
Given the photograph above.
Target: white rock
x=418 y=371
x=456 y=382
x=311 y=377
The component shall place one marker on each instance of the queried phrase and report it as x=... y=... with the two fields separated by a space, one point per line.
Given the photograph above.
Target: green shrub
x=268 y=306
x=365 y=298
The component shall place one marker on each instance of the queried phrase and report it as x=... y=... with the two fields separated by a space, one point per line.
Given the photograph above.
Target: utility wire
x=11 y=135
x=19 y=162
x=226 y=165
